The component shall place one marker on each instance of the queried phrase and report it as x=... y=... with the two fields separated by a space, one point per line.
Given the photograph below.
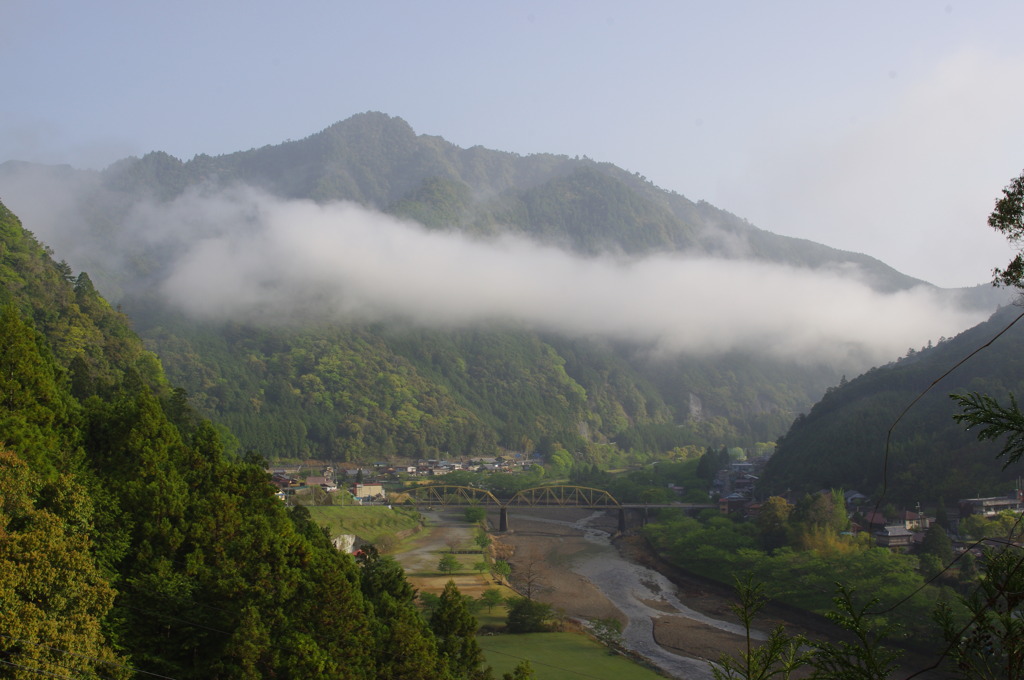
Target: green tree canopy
x=528 y=616
x=454 y=626
x=54 y=597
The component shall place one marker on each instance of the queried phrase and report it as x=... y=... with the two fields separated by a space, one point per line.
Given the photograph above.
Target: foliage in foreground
x=133 y=541
x=991 y=643
x=863 y=658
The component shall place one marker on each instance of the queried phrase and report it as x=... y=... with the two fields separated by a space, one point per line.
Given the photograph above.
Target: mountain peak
x=369 y=122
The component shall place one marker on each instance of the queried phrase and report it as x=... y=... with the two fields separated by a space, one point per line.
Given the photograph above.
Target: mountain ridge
x=842 y=441
x=589 y=208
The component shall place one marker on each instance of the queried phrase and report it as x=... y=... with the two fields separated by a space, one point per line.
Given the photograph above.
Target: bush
x=528 y=616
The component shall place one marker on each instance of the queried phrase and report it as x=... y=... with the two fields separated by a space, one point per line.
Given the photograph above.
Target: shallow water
x=628 y=586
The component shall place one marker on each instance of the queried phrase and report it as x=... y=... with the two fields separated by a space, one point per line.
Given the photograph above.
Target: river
x=639 y=593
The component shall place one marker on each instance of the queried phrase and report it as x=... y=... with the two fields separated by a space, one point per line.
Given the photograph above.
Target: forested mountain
x=841 y=441
x=373 y=389
x=131 y=543
x=379 y=161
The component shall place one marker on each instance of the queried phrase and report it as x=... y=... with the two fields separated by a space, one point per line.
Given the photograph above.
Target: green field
x=374 y=524
x=560 y=656
x=553 y=656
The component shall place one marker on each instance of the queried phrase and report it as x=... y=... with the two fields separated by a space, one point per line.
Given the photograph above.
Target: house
x=875 y=520
x=914 y=521
x=676 y=489
x=854 y=498
x=894 y=537
x=368 y=491
x=992 y=506
x=282 y=480
x=732 y=503
x=745 y=483
x=323 y=482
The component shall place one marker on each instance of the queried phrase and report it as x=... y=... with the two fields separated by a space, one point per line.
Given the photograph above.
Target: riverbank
x=584 y=576
x=678 y=621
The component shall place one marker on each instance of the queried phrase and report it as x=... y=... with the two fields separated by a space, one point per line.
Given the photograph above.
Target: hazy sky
x=882 y=127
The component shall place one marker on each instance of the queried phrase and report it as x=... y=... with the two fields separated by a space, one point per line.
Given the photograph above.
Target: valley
x=675 y=620
x=585 y=575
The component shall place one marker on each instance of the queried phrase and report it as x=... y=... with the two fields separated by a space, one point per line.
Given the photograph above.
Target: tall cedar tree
x=455 y=627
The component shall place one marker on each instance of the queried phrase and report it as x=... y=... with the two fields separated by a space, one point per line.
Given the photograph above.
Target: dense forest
x=134 y=543
x=842 y=441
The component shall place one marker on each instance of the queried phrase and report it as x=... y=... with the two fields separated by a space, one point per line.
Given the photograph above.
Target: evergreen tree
x=55 y=599
x=936 y=542
x=455 y=628
x=527 y=616
x=36 y=414
x=522 y=671
x=992 y=645
x=941 y=515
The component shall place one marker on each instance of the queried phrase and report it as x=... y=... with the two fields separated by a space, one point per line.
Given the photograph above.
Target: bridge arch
x=446 y=494
x=564 y=495
x=561 y=495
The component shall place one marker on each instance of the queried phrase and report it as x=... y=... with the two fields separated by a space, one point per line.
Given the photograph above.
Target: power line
x=85 y=656
x=541 y=663
x=38 y=671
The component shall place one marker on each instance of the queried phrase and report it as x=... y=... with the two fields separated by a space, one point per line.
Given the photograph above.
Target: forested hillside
x=373 y=389
x=841 y=441
x=130 y=542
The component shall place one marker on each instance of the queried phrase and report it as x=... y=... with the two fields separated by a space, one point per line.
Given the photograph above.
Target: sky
x=887 y=128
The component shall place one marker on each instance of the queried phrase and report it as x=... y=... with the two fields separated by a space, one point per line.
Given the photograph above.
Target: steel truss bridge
x=563 y=496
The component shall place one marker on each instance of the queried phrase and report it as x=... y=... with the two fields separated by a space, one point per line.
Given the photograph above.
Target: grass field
x=553 y=656
x=560 y=656
x=373 y=524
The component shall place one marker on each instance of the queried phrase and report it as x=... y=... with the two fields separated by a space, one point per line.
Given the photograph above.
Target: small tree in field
x=530 y=576
x=453 y=543
x=448 y=563
x=522 y=671
x=528 y=616
x=502 y=568
x=608 y=631
x=491 y=598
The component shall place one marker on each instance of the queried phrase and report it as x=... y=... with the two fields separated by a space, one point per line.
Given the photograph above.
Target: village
x=733 y=489
x=367 y=485
x=898 y=530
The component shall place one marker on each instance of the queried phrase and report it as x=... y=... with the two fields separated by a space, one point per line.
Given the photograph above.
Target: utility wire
x=84 y=656
x=888 y=434
x=541 y=663
x=38 y=671
x=885 y=483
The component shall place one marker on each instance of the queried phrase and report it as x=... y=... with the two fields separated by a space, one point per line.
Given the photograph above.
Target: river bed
x=642 y=595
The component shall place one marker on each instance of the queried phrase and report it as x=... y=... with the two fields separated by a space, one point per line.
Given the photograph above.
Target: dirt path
x=420 y=555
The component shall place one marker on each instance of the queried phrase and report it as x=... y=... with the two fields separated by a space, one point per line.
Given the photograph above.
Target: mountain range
x=368 y=293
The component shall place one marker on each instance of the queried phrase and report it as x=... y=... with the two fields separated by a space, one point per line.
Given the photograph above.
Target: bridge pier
x=503 y=519
x=622 y=520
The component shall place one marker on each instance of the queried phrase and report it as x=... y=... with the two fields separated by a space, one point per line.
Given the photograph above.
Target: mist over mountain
x=366 y=223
